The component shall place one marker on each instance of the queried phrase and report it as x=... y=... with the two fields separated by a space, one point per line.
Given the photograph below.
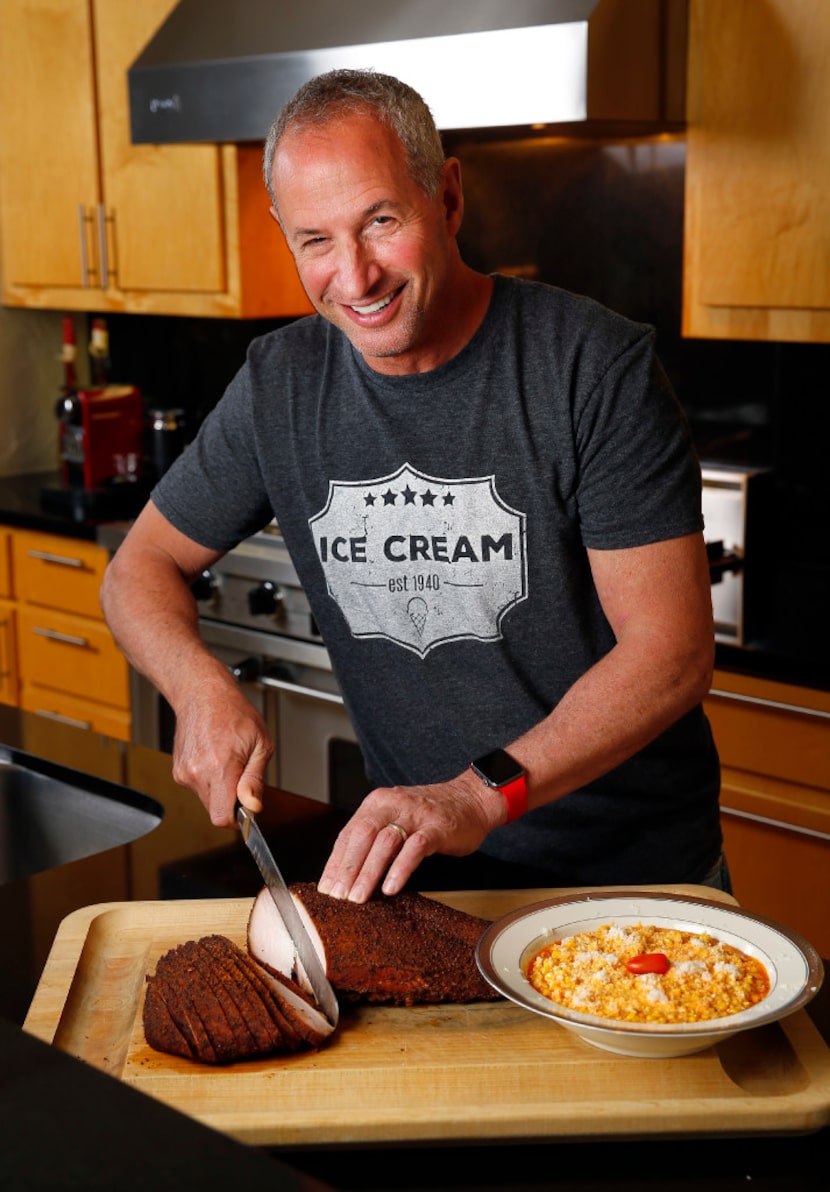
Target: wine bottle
x=99 y=353
x=68 y=358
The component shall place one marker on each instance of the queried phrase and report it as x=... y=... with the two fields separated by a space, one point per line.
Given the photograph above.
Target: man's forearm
x=612 y=712
x=154 y=620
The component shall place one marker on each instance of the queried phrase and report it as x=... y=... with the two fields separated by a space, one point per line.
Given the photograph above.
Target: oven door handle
x=298 y=689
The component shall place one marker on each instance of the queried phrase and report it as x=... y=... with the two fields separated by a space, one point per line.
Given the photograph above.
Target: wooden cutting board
x=453 y=1073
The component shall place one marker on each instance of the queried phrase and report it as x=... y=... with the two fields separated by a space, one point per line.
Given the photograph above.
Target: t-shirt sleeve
x=639 y=477
x=215 y=492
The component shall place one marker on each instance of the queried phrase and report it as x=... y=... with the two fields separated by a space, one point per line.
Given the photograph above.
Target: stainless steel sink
x=51 y=815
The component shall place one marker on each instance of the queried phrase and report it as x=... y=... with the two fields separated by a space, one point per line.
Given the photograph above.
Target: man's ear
x=452 y=194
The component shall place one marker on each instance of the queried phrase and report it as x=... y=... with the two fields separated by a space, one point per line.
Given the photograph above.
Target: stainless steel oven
x=735 y=514
x=254 y=617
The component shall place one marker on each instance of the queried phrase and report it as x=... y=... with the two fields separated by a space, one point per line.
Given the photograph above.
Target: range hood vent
x=220 y=71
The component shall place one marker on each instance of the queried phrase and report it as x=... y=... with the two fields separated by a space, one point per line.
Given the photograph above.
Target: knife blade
x=287 y=909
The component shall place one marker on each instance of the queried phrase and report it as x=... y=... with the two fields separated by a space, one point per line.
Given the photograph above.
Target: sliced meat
x=208 y=1000
x=174 y=975
x=246 y=986
x=160 y=1029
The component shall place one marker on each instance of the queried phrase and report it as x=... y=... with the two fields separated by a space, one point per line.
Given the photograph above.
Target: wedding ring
x=402 y=832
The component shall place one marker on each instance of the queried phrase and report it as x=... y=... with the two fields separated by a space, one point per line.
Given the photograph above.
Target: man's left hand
x=396 y=827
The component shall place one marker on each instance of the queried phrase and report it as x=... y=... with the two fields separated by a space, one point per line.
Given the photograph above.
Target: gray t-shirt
x=438 y=523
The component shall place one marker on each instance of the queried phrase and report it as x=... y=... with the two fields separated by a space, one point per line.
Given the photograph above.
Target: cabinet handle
x=102 y=246
x=327 y=697
x=774 y=823
x=778 y=705
x=66 y=638
x=61 y=560
x=87 y=724
x=82 y=242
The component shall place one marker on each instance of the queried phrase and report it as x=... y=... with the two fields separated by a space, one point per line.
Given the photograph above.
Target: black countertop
x=40 y=501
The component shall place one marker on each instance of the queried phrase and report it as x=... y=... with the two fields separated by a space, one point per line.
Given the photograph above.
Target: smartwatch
x=501 y=771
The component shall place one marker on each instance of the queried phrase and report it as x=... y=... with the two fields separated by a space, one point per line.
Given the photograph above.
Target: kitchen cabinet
x=757 y=219
x=69 y=669
x=89 y=221
x=8 y=642
x=774 y=744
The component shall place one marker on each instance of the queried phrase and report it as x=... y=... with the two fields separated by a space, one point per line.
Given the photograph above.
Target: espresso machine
x=101 y=437
x=101 y=442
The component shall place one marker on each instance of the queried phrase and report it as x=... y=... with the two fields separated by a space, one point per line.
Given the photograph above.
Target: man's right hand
x=221 y=750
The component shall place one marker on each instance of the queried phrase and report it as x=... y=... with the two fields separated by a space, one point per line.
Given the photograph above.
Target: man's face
x=374 y=253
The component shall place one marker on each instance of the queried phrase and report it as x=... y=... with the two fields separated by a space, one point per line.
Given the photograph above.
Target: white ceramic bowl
x=508 y=945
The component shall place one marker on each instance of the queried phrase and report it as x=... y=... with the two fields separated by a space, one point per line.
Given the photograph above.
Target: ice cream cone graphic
x=418 y=611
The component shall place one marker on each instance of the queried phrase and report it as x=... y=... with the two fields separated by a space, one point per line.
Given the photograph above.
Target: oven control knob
x=264 y=600
x=247 y=670
x=205 y=587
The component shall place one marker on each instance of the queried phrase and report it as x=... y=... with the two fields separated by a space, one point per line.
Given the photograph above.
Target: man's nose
x=357 y=269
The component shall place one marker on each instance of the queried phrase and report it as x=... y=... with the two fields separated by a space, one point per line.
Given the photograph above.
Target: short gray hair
x=349 y=92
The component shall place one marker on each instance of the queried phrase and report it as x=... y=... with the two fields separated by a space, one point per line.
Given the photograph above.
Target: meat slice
x=172 y=985
x=402 y=950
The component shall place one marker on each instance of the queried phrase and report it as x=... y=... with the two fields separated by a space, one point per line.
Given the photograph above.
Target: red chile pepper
x=648 y=962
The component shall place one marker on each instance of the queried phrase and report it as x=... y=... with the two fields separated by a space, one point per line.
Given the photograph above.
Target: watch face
x=497 y=768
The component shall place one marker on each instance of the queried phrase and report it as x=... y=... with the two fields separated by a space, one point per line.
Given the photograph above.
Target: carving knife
x=287 y=910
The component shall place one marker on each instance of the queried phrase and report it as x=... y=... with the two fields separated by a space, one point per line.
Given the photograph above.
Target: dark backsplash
x=603 y=218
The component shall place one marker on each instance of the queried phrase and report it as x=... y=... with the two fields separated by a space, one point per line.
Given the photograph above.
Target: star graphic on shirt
x=449 y=499
x=369 y=499
x=409 y=496
x=428 y=498
x=389 y=498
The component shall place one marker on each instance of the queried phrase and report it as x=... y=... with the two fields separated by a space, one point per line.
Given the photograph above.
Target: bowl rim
x=512 y=983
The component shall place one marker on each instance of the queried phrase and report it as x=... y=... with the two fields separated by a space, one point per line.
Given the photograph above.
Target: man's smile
x=373 y=308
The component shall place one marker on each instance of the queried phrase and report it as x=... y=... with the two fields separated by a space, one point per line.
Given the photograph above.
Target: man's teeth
x=374 y=306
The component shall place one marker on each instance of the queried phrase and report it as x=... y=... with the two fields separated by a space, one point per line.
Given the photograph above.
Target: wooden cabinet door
x=757 y=231
x=163 y=202
x=48 y=143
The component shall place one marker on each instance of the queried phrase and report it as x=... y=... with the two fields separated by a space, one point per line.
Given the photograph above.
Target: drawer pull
x=67 y=639
x=87 y=724
x=775 y=704
x=61 y=560
x=774 y=823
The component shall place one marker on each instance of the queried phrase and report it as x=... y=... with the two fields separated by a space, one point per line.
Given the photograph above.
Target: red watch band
x=515 y=793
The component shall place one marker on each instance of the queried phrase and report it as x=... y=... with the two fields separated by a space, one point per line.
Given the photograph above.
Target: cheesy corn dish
x=648 y=974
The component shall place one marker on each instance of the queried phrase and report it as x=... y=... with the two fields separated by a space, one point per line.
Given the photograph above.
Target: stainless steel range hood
x=220 y=70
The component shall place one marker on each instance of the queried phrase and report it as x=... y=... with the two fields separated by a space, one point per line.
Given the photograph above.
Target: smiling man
x=489 y=495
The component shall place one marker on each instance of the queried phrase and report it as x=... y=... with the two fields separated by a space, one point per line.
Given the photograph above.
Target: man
x=489 y=494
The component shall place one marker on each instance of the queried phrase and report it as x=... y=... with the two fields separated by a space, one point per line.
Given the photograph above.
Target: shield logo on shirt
x=421 y=560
